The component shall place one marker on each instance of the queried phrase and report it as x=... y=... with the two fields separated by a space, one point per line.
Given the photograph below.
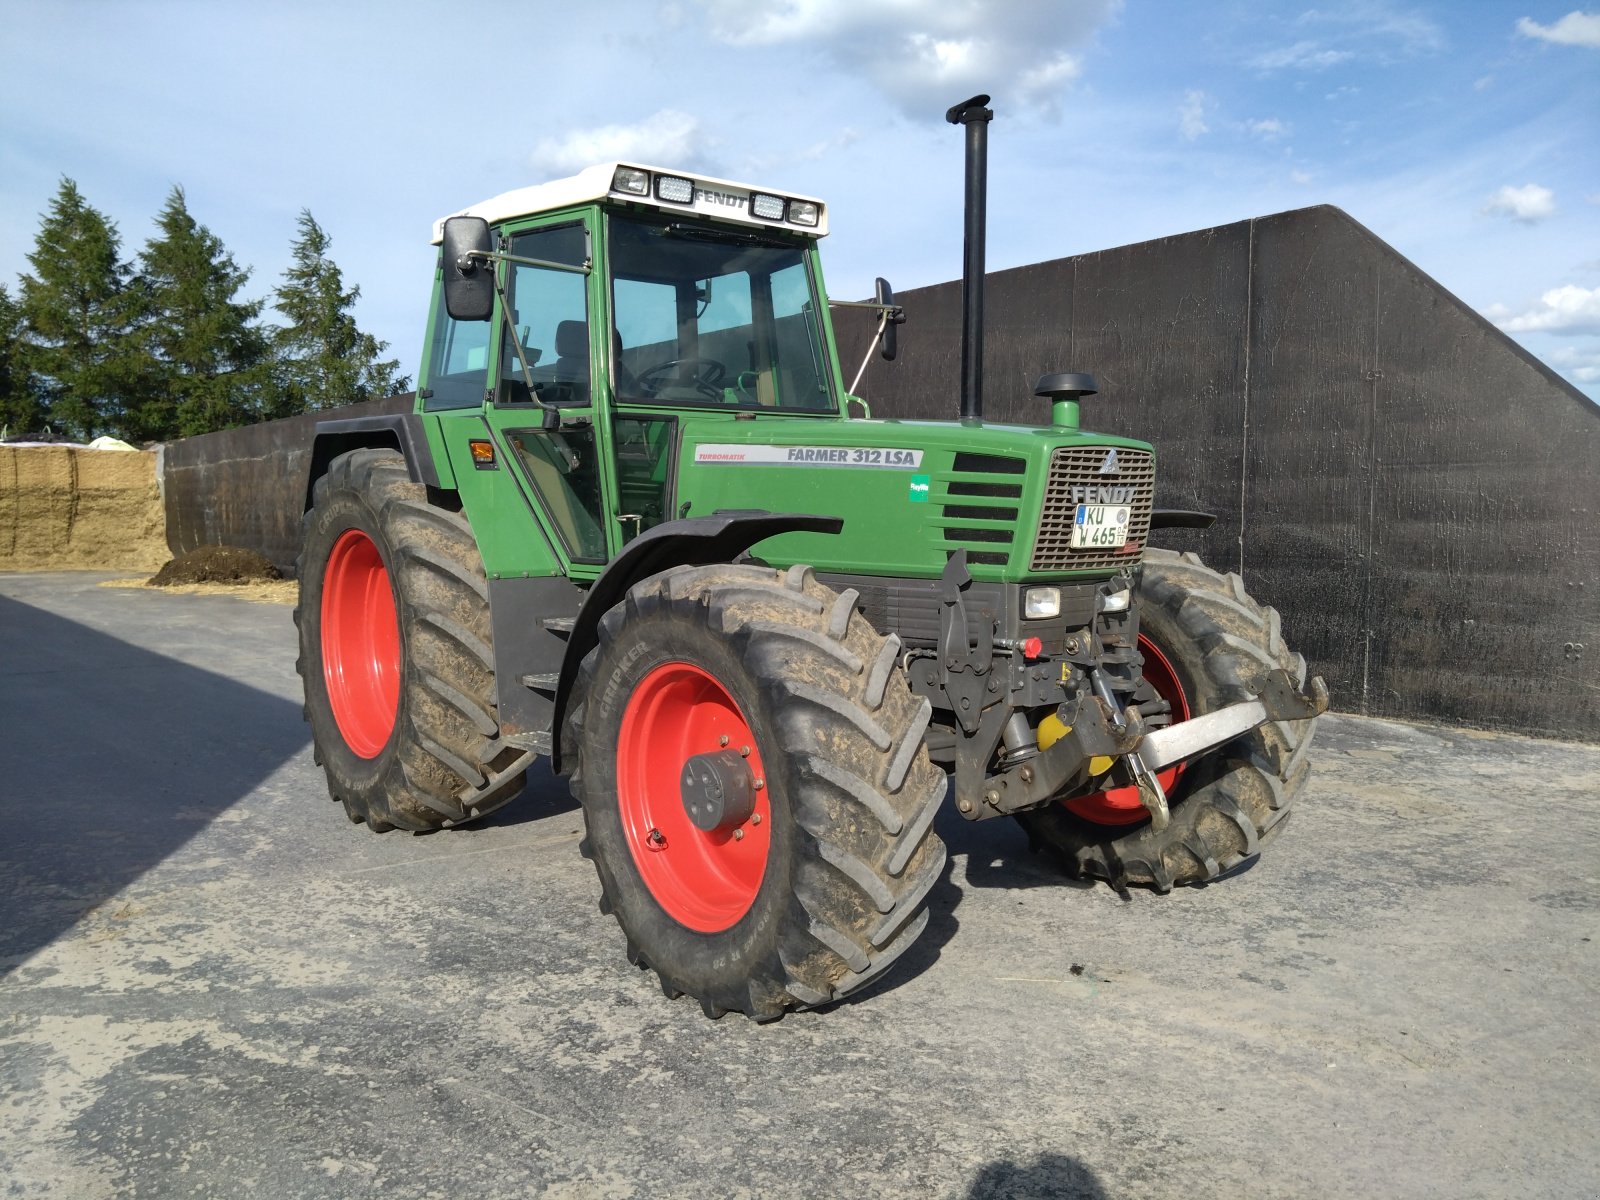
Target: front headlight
x=631 y=180
x=1041 y=602
x=1116 y=601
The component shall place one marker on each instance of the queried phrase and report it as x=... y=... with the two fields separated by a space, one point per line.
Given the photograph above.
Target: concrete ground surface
x=212 y=984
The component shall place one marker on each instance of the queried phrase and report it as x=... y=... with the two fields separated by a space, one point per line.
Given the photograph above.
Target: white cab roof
x=723 y=199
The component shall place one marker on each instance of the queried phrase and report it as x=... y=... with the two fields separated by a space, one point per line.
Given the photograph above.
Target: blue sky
x=1465 y=134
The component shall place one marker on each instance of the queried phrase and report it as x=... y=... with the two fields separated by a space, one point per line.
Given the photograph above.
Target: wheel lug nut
x=745 y=750
x=738 y=835
x=755 y=819
x=723 y=740
x=759 y=784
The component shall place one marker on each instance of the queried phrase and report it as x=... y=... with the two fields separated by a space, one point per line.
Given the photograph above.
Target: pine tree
x=324 y=359
x=20 y=410
x=205 y=354
x=79 y=312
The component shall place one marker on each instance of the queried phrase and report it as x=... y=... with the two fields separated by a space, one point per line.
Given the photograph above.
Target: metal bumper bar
x=1279 y=700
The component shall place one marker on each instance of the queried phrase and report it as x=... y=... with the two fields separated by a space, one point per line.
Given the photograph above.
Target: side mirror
x=884 y=294
x=468 y=281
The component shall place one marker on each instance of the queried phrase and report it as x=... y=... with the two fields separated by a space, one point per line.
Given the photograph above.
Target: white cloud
x=1192 y=114
x=1582 y=364
x=1371 y=30
x=1566 y=309
x=1300 y=177
x=926 y=57
x=1574 y=29
x=1389 y=30
x=1528 y=204
x=845 y=137
x=1269 y=129
x=1304 y=56
x=668 y=137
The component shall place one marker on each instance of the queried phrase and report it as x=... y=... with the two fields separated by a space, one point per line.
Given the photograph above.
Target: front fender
x=692 y=542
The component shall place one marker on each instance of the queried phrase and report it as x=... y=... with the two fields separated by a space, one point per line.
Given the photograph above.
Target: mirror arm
x=550 y=410
x=883 y=323
x=494 y=256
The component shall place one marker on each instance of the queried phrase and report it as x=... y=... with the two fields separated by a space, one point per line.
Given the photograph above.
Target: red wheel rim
x=706 y=881
x=360 y=644
x=1121 y=805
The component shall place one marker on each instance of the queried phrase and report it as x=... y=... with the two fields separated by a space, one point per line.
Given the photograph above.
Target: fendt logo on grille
x=1084 y=493
x=1109 y=466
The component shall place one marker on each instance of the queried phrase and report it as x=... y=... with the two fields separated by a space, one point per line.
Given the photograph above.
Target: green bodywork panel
x=892 y=504
x=565 y=501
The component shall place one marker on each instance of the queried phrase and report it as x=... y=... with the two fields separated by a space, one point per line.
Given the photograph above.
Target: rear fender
x=398 y=431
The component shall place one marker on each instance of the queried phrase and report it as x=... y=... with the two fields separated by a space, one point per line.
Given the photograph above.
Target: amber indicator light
x=483 y=455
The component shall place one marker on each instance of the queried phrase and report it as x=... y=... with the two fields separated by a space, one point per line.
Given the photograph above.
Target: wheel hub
x=692 y=796
x=718 y=790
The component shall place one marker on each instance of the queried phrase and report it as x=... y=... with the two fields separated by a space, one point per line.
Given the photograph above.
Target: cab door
x=553 y=304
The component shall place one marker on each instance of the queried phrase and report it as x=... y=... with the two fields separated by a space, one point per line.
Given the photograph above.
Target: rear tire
x=844 y=852
x=404 y=724
x=1220 y=644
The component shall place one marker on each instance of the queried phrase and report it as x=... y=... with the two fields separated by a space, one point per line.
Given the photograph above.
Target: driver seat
x=570 y=371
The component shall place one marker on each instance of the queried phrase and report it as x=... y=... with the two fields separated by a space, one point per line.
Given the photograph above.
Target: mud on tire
x=443 y=761
x=1220 y=644
x=849 y=790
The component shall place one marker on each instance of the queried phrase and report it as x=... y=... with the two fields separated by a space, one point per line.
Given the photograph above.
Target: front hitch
x=1097 y=730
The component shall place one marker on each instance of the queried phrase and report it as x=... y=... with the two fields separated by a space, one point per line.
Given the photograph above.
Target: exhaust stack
x=975 y=115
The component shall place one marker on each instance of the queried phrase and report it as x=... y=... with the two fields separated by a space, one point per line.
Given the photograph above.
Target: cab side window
x=549 y=308
x=458 y=362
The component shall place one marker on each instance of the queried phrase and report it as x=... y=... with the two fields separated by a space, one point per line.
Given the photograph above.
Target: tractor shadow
x=996 y=855
x=546 y=795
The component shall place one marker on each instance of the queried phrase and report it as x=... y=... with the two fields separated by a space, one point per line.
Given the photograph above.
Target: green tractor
x=634 y=525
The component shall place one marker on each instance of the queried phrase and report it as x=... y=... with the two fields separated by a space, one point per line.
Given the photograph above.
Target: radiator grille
x=972 y=497
x=1080 y=465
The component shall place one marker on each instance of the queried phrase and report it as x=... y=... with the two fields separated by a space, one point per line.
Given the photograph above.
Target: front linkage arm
x=1095 y=731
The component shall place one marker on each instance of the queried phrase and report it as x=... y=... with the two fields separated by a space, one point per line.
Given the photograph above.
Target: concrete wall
x=1416 y=494
x=245 y=487
x=68 y=508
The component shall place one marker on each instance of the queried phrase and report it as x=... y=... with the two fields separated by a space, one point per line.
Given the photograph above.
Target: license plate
x=1100 y=526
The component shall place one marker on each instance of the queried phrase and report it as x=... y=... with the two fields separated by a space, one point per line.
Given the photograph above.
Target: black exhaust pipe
x=975 y=116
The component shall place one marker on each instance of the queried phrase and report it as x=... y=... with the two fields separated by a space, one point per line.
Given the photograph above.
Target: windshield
x=707 y=317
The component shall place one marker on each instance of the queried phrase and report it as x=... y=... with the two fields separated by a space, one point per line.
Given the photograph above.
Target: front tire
x=820 y=884
x=1213 y=646
x=396 y=654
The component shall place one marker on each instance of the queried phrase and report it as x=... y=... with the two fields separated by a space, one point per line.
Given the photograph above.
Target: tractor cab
x=612 y=306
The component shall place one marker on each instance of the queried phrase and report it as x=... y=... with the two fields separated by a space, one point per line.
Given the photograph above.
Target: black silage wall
x=246 y=487
x=1418 y=496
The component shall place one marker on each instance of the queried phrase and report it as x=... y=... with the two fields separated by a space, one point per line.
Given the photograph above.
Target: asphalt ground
x=212 y=984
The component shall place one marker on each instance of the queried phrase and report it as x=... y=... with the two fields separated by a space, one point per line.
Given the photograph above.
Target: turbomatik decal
x=809 y=456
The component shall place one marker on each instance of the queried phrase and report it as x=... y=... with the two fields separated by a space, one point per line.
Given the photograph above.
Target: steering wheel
x=702 y=374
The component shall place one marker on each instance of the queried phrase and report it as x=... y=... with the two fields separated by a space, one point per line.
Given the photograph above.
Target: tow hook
x=1151 y=794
